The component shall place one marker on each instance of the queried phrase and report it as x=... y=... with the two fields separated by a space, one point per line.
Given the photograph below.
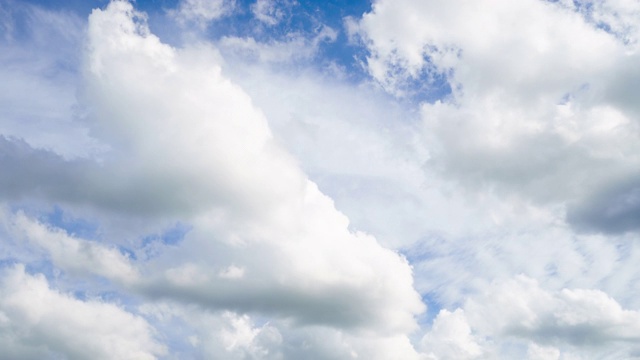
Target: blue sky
x=278 y=179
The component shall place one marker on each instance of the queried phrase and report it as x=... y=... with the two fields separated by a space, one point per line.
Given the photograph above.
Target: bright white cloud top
x=319 y=180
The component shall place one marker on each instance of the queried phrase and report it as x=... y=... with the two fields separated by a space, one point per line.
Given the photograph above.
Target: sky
x=288 y=179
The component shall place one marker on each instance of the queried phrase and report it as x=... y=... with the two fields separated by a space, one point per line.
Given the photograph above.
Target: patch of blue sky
x=154 y=6
x=333 y=13
x=89 y=295
x=84 y=288
x=7 y=262
x=13 y=22
x=302 y=18
x=429 y=86
x=171 y=236
x=127 y=252
x=428 y=248
x=57 y=218
x=81 y=7
x=74 y=226
x=36 y=42
x=84 y=7
x=433 y=309
x=124 y=299
x=45 y=267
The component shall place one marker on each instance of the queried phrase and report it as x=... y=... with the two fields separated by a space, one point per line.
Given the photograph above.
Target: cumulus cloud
x=536 y=108
x=526 y=165
x=535 y=322
x=520 y=307
x=451 y=338
x=39 y=322
x=177 y=129
x=234 y=335
x=72 y=254
x=183 y=141
x=242 y=335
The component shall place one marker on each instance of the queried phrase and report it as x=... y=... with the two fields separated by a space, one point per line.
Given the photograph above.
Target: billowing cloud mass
x=536 y=106
x=38 y=322
x=289 y=180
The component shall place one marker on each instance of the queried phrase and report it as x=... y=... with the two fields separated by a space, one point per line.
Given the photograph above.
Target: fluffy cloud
x=520 y=307
x=241 y=336
x=206 y=138
x=545 y=324
x=230 y=244
x=537 y=107
x=450 y=337
x=264 y=238
x=181 y=141
x=72 y=254
x=37 y=322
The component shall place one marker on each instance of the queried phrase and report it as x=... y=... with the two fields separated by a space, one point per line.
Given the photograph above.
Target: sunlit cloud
x=287 y=180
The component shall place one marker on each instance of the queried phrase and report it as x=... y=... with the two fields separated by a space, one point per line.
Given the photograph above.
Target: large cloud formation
x=38 y=322
x=540 y=130
x=229 y=195
x=185 y=142
x=538 y=106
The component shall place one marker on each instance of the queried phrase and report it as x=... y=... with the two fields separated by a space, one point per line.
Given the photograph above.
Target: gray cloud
x=613 y=210
x=42 y=174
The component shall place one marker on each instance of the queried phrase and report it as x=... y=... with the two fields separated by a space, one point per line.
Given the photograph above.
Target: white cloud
x=270 y=12
x=537 y=352
x=206 y=138
x=72 y=254
x=37 y=322
x=616 y=16
x=185 y=142
x=232 y=272
x=347 y=142
x=540 y=120
x=202 y=12
x=241 y=336
x=517 y=317
x=451 y=338
x=521 y=308
x=554 y=48
x=538 y=107
x=295 y=47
